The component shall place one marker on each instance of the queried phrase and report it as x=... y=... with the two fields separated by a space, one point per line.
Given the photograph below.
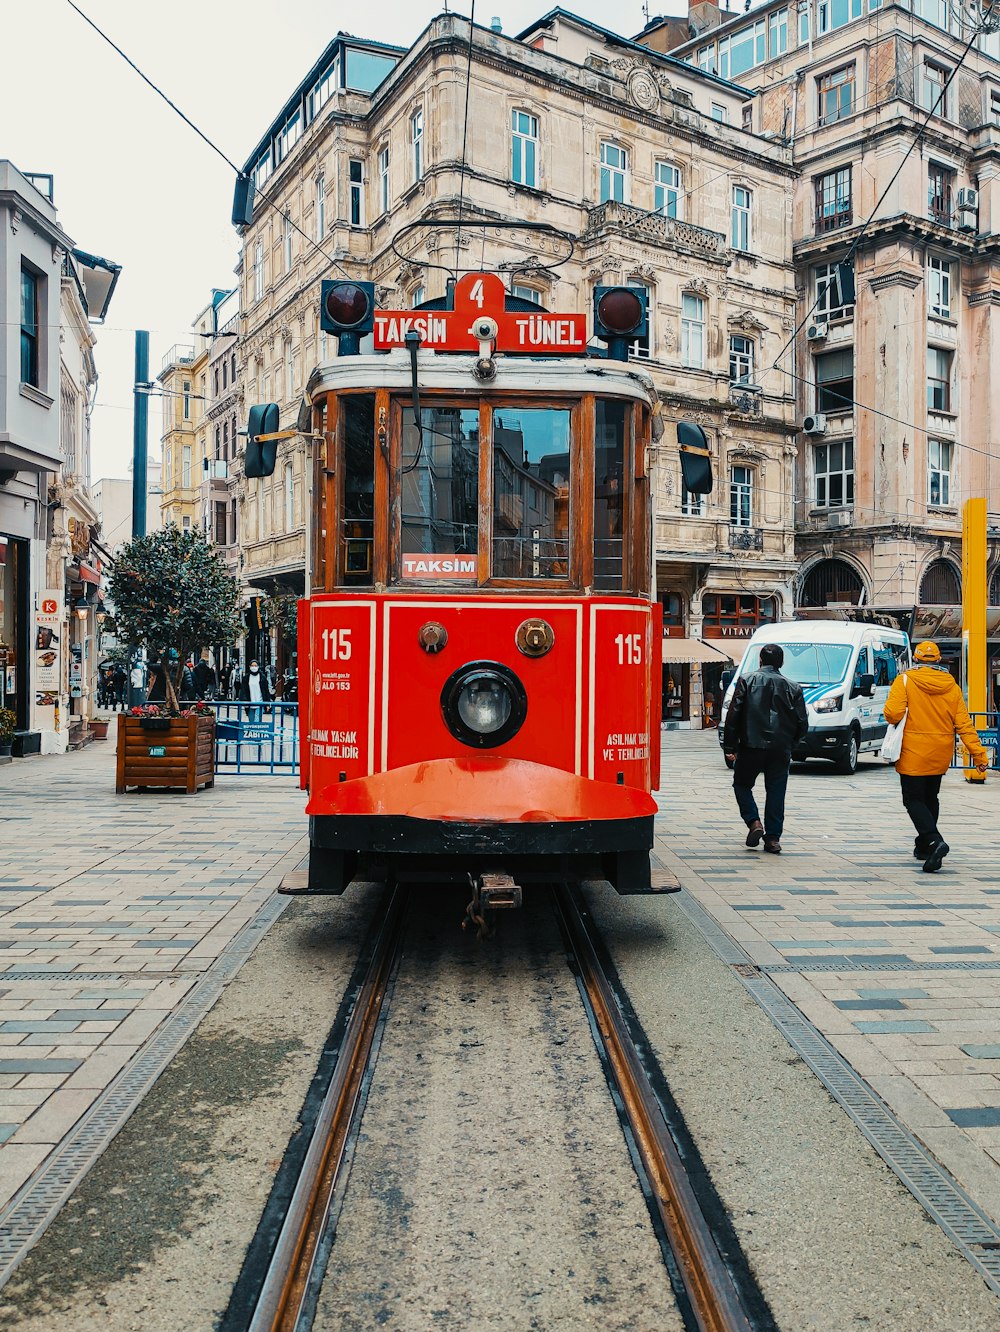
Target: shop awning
x=89 y=575
x=686 y=651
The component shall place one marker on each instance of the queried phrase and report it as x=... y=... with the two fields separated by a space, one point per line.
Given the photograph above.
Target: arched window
x=995 y=589
x=642 y=347
x=289 y=497
x=831 y=582
x=940 y=585
x=673 y=610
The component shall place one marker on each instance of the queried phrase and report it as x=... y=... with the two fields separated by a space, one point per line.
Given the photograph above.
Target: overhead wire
x=465 y=141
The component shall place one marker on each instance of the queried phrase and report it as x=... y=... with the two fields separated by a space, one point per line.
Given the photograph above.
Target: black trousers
x=920 y=799
x=774 y=764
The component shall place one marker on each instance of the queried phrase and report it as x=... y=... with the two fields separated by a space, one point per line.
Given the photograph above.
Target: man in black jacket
x=766 y=720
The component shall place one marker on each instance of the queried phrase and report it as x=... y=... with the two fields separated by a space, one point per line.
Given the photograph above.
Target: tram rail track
x=286 y=1284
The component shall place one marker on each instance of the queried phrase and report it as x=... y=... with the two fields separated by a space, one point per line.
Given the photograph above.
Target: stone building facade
x=645 y=164
x=896 y=390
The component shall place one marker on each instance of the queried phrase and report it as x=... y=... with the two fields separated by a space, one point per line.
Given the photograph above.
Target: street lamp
x=82 y=606
x=102 y=613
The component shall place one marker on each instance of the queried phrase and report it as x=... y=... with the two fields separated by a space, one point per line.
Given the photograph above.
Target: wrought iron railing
x=746 y=538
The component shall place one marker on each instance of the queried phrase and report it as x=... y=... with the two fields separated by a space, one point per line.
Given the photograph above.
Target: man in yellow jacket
x=935 y=711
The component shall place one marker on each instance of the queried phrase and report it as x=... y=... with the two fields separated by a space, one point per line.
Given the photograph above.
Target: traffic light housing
x=621 y=316
x=696 y=458
x=262 y=454
x=347 y=310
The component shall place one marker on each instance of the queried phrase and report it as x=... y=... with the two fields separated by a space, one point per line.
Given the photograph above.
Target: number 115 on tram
x=479 y=654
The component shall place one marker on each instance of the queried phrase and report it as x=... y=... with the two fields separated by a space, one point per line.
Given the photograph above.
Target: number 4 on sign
x=629 y=649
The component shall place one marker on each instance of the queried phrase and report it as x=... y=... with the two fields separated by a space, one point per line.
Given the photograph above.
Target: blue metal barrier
x=986 y=724
x=260 y=738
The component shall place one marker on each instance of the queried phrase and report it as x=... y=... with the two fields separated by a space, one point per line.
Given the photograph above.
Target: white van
x=845 y=670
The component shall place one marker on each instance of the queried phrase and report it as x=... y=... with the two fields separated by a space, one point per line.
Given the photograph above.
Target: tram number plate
x=157 y=751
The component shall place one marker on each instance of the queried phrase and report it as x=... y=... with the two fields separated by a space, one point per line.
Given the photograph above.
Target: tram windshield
x=439 y=487
x=531 y=492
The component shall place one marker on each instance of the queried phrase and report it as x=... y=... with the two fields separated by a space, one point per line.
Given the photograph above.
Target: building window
x=835 y=92
x=186 y=467
x=225 y=380
x=667 y=189
x=233 y=434
x=289 y=497
x=187 y=399
x=831 y=14
x=940 y=185
x=220 y=522
x=185 y=524
x=719 y=113
x=707 y=62
x=741 y=496
x=938 y=380
x=224 y=455
x=732 y=611
x=320 y=207
x=215 y=381
x=835 y=382
x=418 y=296
x=289 y=369
x=417 y=143
x=939 y=287
x=934 y=88
x=287 y=242
x=614 y=173
x=742 y=51
x=748 y=117
x=833 y=467
x=218 y=442
x=640 y=348
x=833 y=200
x=383 y=178
x=526 y=293
x=692 y=505
x=939 y=454
x=258 y=270
x=524 y=149
x=829 y=302
x=995 y=106
x=693 y=332
x=30 y=361
x=741 y=234
x=740 y=359
x=777 y=33
x=356 y=170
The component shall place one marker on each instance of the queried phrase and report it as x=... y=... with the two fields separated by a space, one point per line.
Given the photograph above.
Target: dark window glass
x=531 y=492
x=439 y=485
x=358 y=523
x=609 y=495
x=29 y=328
x=721 y=611
x=835 y=382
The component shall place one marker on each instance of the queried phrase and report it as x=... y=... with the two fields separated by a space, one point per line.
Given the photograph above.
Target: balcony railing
x=178 y=355
x=746 y=538
x=745 y=402
x=654 y=227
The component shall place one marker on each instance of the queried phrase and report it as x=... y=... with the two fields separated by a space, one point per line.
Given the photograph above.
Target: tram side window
x=609 y=495
x=531 y=492
x=358 y=523
x=439 y=485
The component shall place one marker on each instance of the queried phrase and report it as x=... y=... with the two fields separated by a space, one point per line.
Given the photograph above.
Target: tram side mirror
x=262 y=453
x=696 y=458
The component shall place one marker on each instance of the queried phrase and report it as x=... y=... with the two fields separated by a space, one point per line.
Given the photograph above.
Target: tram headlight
x=484 y=704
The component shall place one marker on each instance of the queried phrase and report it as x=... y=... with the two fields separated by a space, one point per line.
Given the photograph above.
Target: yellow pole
x=974 y=614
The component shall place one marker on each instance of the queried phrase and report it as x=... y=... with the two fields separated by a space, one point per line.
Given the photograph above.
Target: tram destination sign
x=480 y=296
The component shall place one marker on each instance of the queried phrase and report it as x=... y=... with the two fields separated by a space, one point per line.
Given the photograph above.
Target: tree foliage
x=173 y=594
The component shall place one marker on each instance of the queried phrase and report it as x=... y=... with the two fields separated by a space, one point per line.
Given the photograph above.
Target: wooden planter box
x=181 y=754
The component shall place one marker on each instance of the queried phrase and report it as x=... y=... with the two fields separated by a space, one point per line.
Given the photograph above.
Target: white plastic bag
x=892 y=745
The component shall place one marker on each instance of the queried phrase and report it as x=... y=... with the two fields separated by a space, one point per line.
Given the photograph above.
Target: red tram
x=479 y=655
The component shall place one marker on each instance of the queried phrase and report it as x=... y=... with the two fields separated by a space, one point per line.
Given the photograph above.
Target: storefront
x=692 y=671
x=943 y=625
x=15 y=616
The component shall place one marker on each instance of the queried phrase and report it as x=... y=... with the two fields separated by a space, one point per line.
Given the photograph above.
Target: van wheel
x=848 y=761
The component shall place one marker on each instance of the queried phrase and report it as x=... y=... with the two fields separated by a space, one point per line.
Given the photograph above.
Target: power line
x=203 y=136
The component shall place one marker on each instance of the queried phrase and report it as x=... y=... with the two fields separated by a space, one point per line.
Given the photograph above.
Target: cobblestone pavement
x=900 y=970
x=111 y=910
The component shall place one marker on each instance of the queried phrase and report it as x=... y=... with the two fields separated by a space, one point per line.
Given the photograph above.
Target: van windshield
x=806 y=663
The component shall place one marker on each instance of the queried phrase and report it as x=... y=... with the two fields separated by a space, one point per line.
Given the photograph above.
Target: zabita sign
x=480 y=296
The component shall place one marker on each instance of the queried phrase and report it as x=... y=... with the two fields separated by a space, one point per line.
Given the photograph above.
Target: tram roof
x=553 y=375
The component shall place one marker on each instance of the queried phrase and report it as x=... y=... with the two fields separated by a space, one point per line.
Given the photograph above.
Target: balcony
x=745 y=402
x=178 y=355
x=746 y=538
x=654 y=228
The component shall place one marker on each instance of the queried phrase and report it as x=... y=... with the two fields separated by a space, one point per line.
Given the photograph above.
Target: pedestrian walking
x=255 y=689
x=932 y=703
x=205 y=684
x=766 y=720
x=157 y=681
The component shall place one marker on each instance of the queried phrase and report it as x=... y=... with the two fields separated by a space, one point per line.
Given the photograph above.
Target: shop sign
x=48 y=648
x=730 y=630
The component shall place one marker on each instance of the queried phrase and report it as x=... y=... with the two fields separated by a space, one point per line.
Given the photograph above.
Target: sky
x=135 y=184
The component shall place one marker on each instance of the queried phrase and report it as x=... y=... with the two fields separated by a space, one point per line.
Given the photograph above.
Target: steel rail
x=290 y=1272
x=715 y=1300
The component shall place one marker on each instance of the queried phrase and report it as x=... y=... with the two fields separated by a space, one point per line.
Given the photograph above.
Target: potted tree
x=8 y=721
x=172 y=594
